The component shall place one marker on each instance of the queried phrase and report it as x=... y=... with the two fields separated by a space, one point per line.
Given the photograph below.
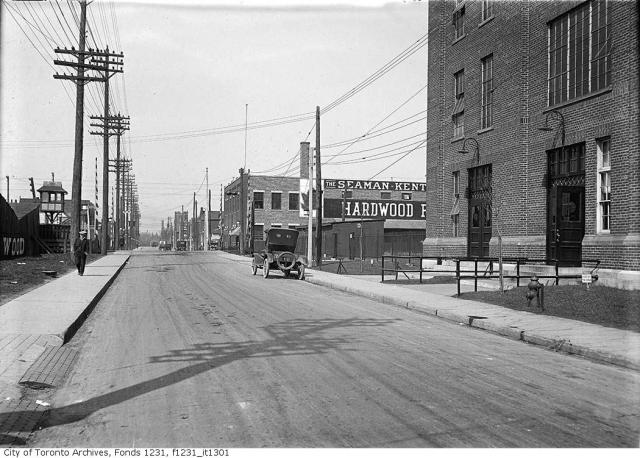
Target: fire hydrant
x=536 y=290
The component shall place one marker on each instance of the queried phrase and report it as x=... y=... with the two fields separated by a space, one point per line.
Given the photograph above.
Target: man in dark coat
x=80 y=249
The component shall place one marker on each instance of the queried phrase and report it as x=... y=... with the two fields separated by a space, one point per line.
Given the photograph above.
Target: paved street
x=190 y=349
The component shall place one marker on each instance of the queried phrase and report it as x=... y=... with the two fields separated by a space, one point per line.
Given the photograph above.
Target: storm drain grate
x=50 y=368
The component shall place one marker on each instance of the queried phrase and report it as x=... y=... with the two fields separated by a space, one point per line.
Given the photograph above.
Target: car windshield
x=282 y=239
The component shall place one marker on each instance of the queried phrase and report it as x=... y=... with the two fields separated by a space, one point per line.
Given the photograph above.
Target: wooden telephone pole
x=318 y=191
x=109 y=64
x=80 y=79
x=110 y=125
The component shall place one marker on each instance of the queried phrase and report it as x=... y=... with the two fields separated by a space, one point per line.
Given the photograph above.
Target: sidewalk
x=48 y=317
x=591 y=341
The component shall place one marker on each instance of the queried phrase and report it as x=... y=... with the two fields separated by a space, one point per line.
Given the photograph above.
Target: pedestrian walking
x=80 y=249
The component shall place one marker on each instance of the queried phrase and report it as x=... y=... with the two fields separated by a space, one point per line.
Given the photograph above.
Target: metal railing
x=487 y=272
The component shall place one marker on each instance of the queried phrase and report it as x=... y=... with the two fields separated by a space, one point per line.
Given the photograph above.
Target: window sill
x=578 y=99
x=485 y=130
x=458 y=39
x=457 y=139
x=486 y=21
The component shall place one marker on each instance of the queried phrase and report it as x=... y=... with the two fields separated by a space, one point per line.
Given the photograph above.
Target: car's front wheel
x=265 y=270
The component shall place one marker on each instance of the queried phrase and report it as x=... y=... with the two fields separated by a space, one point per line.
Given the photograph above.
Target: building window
x=276 y=200
x=258 y=199
x=406 y=196
x=455 y=211
x=456 y=183
x=385 y=195
x=294 y=200
x=600 y=46
x=258 y=231
x=579 y=52
x=604 y=185
x=458 y=23
x=487 y=9
x=458 y=109
x=455 y=225
x=487 y=92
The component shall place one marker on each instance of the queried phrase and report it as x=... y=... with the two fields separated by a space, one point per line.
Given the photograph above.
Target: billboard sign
x=387 y=209
x=376 y=185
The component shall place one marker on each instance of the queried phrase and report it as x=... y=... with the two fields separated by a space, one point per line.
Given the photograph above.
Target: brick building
x=533 y=130
x=261 y=202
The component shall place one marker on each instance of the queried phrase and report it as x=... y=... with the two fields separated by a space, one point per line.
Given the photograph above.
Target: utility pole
x=243 y=210
x=110 y=125
x=319 y=191
x=108 y=64
x=206 y=217
x=119 y=167
x=310 y=220
x=7 y=177
x=109 y=68
x=193 y=223
x=79 y=79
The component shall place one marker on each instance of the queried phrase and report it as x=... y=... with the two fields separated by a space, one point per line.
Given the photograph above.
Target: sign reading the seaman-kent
x=388 y=209
x=376 y=185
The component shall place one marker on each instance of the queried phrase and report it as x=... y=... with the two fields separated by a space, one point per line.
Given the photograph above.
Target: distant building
x=259 y=202
x=262 y=202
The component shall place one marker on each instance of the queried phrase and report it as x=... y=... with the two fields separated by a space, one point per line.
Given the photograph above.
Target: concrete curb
x=73 y=328
x=514 y=333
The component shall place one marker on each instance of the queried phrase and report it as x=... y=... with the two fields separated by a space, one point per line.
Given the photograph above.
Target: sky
x=196 y=73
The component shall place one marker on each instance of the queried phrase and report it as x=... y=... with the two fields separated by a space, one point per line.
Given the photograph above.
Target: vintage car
x=279 y=254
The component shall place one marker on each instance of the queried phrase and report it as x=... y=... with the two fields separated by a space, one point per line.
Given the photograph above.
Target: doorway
x=479 y=222
x=565 y=204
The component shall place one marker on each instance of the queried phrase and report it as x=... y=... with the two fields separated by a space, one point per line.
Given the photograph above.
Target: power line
x=417 y=45
x=398 y=160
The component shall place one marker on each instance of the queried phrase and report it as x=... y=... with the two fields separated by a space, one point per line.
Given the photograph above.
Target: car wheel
x=301 y=272
x=254 y=267
x=265 y=270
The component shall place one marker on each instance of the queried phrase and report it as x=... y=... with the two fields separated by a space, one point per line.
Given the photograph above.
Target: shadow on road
x=289 y=338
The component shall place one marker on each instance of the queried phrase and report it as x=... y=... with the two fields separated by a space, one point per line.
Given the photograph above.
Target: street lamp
x=474 y=145
x=556 y=116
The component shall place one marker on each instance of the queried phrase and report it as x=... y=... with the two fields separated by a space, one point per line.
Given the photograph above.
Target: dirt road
x=192 y=350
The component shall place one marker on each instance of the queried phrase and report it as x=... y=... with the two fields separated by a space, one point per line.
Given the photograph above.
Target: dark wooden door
x=565 y=224
x=565 y=203
x=479 y=233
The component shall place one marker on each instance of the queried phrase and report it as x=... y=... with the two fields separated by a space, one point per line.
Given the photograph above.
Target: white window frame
x=604 y=171
x=455 y=176
x=487 y=9
x=486 y=72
